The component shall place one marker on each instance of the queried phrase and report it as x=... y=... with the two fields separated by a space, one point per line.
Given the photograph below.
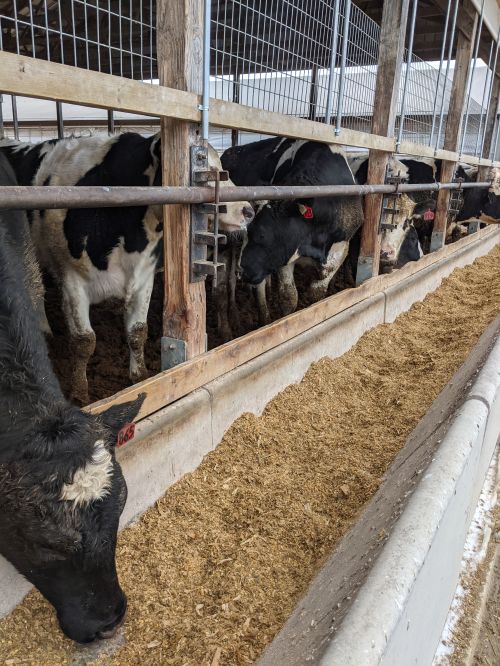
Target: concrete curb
x=174 y=440
x=391 y=620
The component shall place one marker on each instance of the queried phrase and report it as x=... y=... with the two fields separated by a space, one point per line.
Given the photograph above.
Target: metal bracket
x=201 y=237
x=173 y=352
x=387 y=210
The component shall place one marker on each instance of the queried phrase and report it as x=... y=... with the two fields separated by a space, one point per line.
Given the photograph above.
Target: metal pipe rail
x=64 y=196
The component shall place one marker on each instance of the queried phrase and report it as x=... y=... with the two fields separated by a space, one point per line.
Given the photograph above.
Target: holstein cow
x=316 y=229
x=399 y=244
x=480 y=204
x=61 y=489
x=96 y=254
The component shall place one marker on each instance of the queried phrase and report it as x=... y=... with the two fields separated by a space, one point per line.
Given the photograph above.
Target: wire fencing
x=314 y=59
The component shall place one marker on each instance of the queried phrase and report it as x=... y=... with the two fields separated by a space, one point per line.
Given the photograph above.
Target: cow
x=480 y=203
x=399 y=240
x=315 y=229
x=61 y=488
x=254 y=163
x=96 y=254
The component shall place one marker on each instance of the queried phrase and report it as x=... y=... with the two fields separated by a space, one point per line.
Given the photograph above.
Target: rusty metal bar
x=52 y=196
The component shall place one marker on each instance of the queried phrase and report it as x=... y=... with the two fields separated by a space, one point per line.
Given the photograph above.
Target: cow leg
x=261 y=300
x=76 y=306
x=137 y=302
x=336 y=256
x=222 y=299
x=287 y=290
x=234 y=314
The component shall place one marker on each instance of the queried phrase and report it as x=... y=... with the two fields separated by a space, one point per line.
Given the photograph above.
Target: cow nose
x=387 y=254
x=248 y=213
x=110 y=630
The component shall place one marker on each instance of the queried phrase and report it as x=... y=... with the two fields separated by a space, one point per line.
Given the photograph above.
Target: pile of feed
x=213 y=570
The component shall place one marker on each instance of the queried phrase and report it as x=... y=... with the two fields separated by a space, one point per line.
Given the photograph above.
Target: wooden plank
x=168 y=386
x=463 y=55
x=392 y=41
x=32 y=77
x=483 y=171
x=29 y=77
x=179 y=52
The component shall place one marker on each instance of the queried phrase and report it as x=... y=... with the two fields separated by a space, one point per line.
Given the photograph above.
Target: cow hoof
x=138 y=376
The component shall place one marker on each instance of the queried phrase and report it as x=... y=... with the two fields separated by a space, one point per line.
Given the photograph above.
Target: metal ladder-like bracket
x=386 y=210
x=201 y=236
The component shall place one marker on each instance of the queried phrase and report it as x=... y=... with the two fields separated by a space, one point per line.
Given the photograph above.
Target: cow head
x=62 y=496
x=480 y=204
x=273 y=240
x=238 y=213
x=400 y=244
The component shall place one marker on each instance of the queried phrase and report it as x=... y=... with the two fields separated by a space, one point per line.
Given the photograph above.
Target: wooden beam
x=464 y=52
x=167 y=387
x=490 y=121
x=29 y=77
x=392 y=41
x=179 y=50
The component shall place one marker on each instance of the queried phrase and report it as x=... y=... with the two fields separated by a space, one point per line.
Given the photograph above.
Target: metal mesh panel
x=112 y=36
x=474 y=123
x=277 y=56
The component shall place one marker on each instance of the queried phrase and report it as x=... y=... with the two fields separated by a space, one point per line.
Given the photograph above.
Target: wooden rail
x=167 y=387
x=30 y=77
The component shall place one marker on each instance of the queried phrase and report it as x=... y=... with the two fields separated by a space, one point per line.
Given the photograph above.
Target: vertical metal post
x=407 y=74
x=111 y=122
x=471 y=77
x=345 y=41
x=2 y=132
x=484 y=103
x=333 y=61
x=495 y=146
x=443 y=46
x=205 y=99
x=313 y=93
x=15 y=120
x=450 y=50
x=60 y=121
x=236 y=98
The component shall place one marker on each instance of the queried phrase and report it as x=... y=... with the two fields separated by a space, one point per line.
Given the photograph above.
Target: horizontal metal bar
x=65 y=196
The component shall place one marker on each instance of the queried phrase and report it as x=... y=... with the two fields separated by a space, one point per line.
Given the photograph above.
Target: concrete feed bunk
x=215 y=568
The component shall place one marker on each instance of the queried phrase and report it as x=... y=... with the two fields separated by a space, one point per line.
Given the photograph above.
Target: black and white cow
x=316 y=229
x=61 y=489
x=480 y=204
x=97 y=254
x=254 y=163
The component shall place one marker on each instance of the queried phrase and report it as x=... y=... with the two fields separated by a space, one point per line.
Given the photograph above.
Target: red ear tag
x=308 y=213
x=428 y=215
x=125 y=434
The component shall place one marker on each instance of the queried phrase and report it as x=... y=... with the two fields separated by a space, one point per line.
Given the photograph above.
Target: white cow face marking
x=392 y=239
x=92 y=481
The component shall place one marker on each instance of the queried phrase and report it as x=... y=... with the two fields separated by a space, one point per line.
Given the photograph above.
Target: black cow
x=61 y=489
x=479 y=204
x=318 y=229
x=254 y=163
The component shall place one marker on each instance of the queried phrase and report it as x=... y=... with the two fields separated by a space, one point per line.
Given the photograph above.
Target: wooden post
x=179 y=49
x=463 y=55
x=483 y=172
x=392 y=40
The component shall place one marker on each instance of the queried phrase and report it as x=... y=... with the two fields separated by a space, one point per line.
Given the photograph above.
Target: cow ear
x=118 y=416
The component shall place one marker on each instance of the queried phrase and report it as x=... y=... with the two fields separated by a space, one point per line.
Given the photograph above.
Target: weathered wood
x=392 y=41
x=463 y=55
x=179 y=49
x=166 y=387
x=29 y=77
x=483 y=171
